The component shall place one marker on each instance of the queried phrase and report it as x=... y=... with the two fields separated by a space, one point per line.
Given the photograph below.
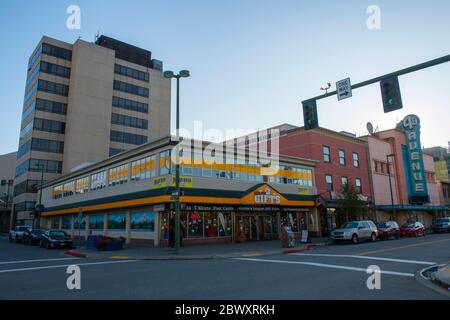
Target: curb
x=75 y=254
x=305 y=248
x=430 y=283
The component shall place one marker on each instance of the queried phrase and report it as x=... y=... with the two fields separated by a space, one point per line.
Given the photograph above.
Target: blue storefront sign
x=413 y=159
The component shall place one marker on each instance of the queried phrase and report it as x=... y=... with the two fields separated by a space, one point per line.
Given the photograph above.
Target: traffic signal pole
x=415 y=68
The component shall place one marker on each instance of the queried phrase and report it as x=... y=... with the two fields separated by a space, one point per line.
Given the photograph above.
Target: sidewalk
x=218 y=251
x=442 y=277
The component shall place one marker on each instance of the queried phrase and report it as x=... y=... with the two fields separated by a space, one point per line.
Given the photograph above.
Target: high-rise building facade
x=83 y=103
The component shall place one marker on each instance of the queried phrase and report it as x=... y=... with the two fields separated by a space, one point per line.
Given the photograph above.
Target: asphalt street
x=329 y=272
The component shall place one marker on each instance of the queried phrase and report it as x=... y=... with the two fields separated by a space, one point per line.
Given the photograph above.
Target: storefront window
x=224 y=220
x=289 y=219
x=195 y=225
x=55 y=223
x=211 y=225
x=66 y=223
x=80 y=223
x=96 y=222
x=143 y=221
x=117 y=221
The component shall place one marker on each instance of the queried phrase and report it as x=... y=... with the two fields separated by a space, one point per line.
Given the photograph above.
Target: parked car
x=413 y=229
x=55 y=239
x=16 y=234
x=441 y=225
x=356 y=231
x=32 y=236
x=388 y=229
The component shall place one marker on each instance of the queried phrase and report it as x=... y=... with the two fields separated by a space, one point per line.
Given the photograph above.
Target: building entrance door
x=247 y=228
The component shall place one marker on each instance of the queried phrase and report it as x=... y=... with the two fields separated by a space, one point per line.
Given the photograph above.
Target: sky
x=253 y=62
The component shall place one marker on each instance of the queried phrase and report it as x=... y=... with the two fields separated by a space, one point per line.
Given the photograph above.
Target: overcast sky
x=251 y=61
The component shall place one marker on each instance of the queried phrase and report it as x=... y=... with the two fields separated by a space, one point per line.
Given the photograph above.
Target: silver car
x=356 y=231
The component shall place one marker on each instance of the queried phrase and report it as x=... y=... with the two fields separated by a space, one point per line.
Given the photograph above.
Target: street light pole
x=393 y=216
x=170 y=75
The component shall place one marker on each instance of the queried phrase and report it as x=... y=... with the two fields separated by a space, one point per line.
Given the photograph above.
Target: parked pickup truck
x=16 y=234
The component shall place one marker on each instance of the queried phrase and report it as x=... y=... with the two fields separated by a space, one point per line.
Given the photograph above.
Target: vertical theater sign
x=413 y=159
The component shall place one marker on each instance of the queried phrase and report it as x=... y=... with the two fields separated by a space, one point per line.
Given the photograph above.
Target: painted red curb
x=75 y=254
x=305 y=248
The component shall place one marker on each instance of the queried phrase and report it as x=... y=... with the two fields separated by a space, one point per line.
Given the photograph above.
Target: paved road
x=332 y=272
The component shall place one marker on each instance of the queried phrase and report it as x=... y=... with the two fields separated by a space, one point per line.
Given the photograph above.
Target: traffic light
x=310 y=114
x=390 y=93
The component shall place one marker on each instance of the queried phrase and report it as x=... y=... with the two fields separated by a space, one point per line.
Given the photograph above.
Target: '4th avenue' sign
x=414 y=164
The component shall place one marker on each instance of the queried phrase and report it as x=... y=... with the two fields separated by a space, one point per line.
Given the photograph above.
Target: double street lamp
x=170 y=75
x=390 y=185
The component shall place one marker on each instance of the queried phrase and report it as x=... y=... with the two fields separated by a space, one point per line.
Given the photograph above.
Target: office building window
x=45 y=145
x=143 y=168
x=45 y=106
x=25 y=206
x=34 y=58
x=342 y=157
x=132 y=73
x=28 y=186
x=355 y=160
x=130 y=105
x=329 y=182
x=124 y=137
x=37 y=165
x=26 y=130
x=54 y=69
x=118 y=175
x=128 y=121
x=52 y=87
x=131 y=88
x=114 y=151
x=98 y=180
x=57 y=52
x=49 y=125
x=358 y=185
x=326 y=154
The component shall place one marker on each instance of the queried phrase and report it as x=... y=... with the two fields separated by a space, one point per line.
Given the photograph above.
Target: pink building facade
x=388 y=171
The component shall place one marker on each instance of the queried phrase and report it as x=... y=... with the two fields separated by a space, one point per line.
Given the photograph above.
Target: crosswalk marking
x=323 y=265
x=363 y=257
x=38 y=260
x=65 y=265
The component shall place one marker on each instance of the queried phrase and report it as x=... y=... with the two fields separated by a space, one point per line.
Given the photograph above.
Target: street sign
x=344 y=89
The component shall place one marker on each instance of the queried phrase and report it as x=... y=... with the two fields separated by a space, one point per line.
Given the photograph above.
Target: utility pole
x=393 y=215
x=170 y=75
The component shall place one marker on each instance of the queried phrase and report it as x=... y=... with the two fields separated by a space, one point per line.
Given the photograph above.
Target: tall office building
x=83 y=103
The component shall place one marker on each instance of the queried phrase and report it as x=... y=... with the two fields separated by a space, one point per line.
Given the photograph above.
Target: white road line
x=363 y=257
x=39 y=260
x=66 y=265
x=332 y=266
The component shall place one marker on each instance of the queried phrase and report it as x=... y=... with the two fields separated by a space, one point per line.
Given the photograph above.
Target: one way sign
x=344 y=89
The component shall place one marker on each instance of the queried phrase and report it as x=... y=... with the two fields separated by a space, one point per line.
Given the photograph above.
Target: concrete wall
x=90 y=102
